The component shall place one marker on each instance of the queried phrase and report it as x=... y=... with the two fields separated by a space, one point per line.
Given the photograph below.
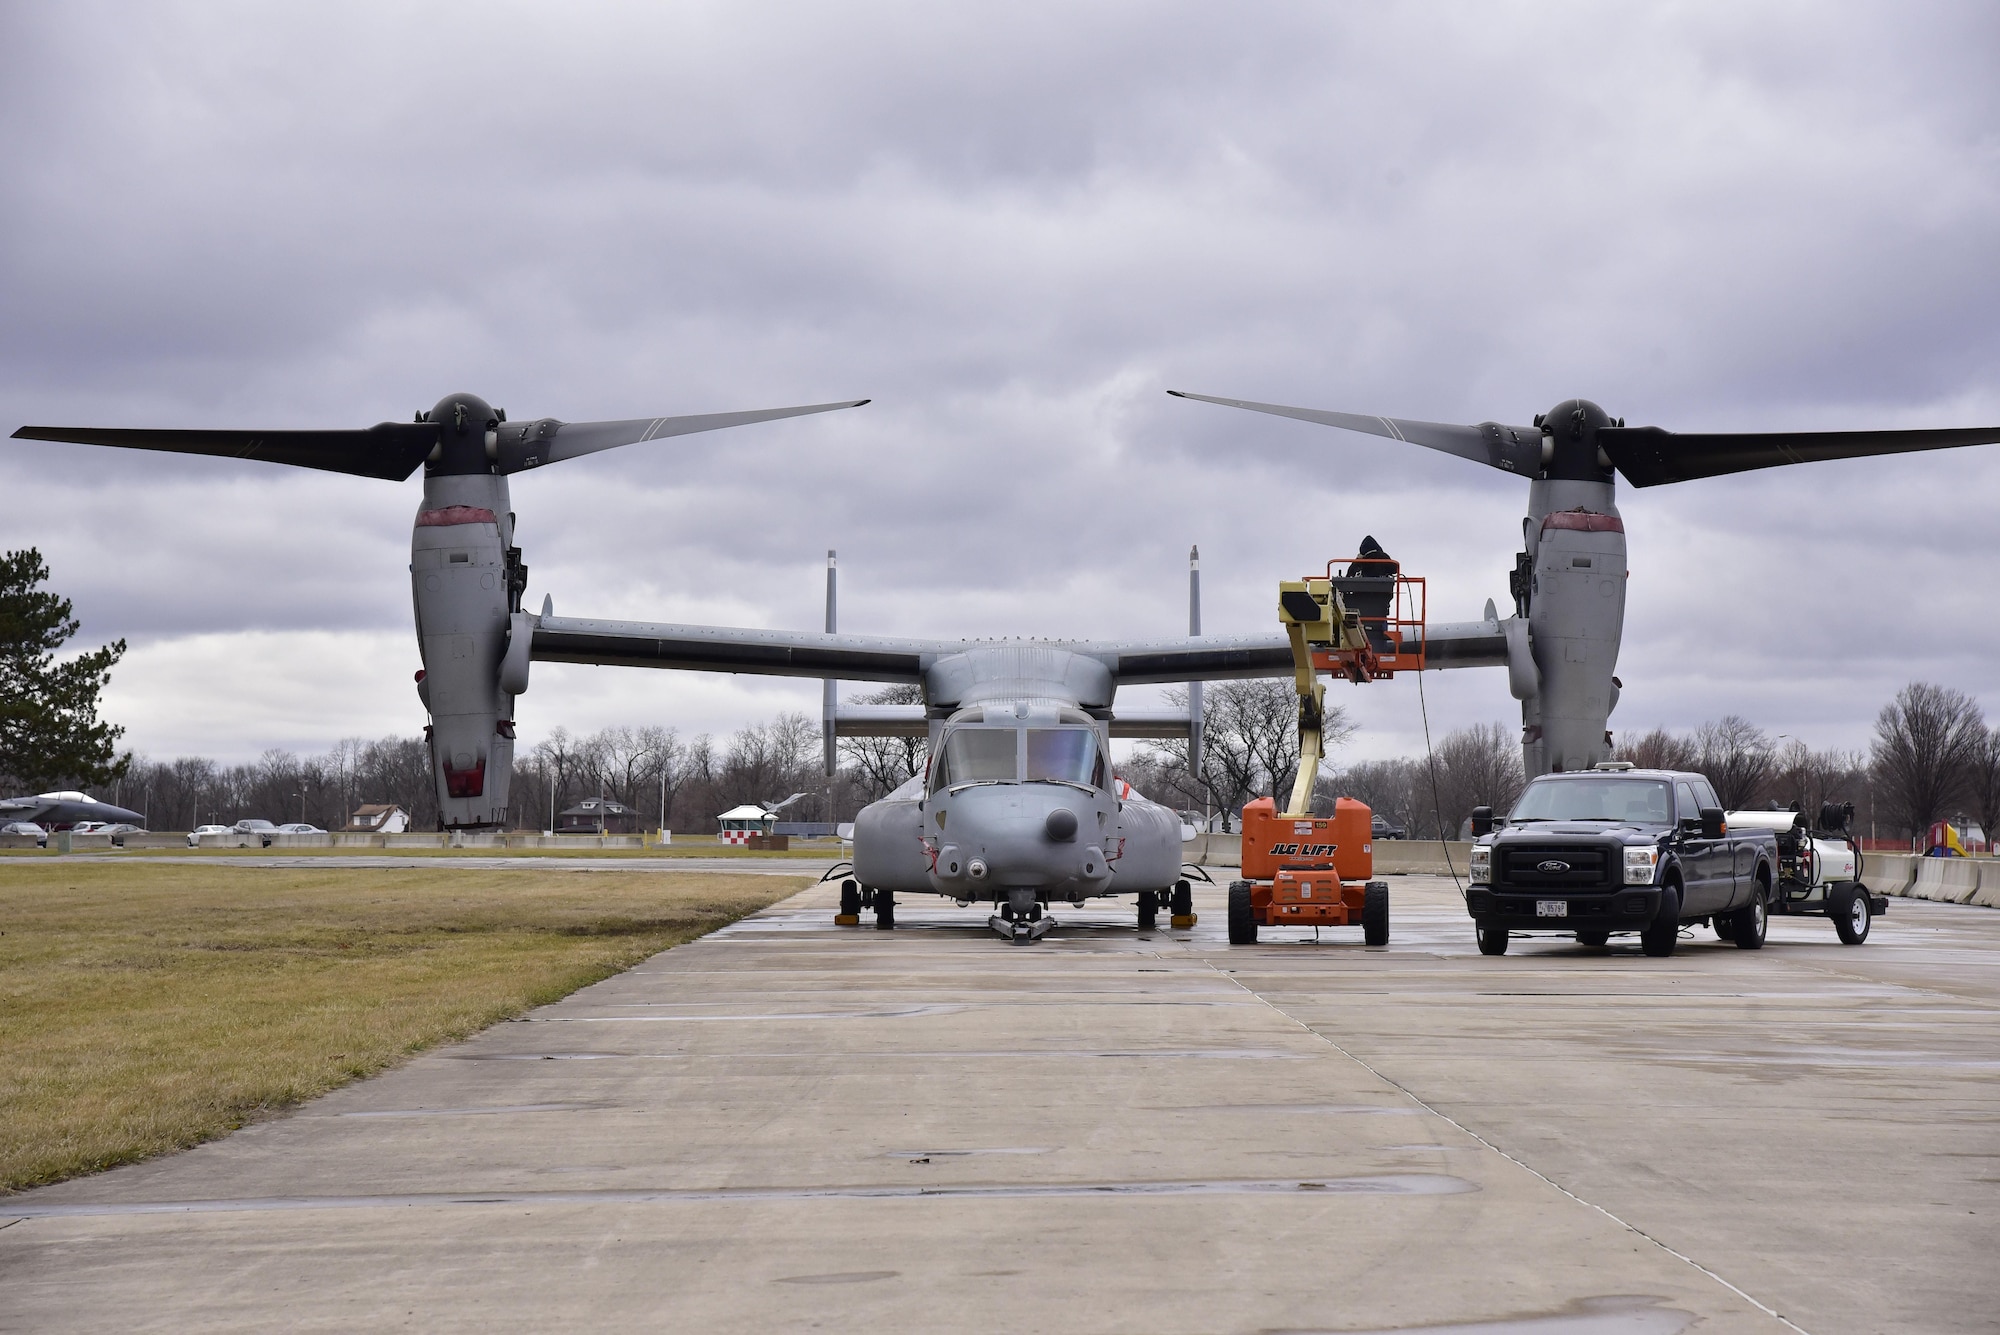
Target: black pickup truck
x=1616 y=849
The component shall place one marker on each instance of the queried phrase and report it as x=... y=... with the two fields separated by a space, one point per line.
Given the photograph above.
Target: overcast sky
x=1013 y=227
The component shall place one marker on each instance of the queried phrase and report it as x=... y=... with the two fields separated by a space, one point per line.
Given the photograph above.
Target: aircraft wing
x=1216 y=657
x=771 y=653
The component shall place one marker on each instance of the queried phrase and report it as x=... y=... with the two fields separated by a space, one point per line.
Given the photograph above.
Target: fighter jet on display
x=60 y=811
x=1568 y=582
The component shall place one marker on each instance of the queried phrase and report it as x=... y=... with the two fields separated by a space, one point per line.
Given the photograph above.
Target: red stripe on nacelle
x=1583 y=521
x=455 y=514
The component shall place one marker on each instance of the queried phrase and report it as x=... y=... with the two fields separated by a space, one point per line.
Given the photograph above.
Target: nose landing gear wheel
x=850 y=905
x=1182 y=904
x=1149 y=910
x=885 y=910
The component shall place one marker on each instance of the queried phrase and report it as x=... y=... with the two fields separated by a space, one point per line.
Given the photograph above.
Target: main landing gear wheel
x=850 y=905
x=885 y=910
x=1181 y=902
x=1149 y=910
x=1595 y=939
x=1852 y=914
x=1242 y=918
x=1492 y=940
x=1375 y=913
x=1748 y=924
x=1658 y=937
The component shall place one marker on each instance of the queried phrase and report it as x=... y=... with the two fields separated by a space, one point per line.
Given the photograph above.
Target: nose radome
x=1061 y=825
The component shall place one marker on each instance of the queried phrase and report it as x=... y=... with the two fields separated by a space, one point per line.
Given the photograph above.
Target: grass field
x=147 y=1006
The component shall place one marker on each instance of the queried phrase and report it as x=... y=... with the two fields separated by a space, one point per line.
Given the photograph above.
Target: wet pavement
x=790 y=1124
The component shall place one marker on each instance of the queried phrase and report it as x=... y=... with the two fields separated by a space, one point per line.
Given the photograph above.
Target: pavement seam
x=1411 y=1095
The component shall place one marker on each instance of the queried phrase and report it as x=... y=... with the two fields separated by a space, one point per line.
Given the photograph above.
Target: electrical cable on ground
x=1437 y=806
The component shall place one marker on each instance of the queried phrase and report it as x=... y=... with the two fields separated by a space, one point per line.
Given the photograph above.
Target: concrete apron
x=789 y=1124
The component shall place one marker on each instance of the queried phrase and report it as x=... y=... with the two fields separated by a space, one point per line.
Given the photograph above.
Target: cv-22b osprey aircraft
x=1020 y=807
x=1568 y=582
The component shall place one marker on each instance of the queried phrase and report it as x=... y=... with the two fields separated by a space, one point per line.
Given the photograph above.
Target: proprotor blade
x=391 y=450
x=1514 y=449
x=525 y=445
x=1649 y=456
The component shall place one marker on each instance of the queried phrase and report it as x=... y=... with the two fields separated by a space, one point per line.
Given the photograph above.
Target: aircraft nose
x=1060 y=825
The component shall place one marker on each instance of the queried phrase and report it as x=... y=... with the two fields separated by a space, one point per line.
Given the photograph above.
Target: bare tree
x=1982 y=788
x=1806 y=779
x=1249 y=742
x=1479 y=766
x=1660 y=749
x=1926 y=742
x=1391 y=788
x=883 y=764
x=1737 y=757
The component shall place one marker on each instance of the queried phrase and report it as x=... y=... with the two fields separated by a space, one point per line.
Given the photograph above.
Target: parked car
x=90 y=827
x=260 y=830
x=1382 y=828
x=29 y=828
x=299 y=827
x=194 y=835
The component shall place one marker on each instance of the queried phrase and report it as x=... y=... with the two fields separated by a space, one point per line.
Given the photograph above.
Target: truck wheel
x=1492 y=940
x=1748 y=924
x=1658 y=937
x=1242 y=918
x=1595 y=938
x=1149 y=910
x=1375 y=914
x=1852 y=914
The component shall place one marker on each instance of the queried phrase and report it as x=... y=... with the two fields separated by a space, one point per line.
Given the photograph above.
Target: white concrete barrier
x=301 y=841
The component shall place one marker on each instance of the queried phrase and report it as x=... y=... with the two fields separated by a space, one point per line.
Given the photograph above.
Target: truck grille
x=1584 y=868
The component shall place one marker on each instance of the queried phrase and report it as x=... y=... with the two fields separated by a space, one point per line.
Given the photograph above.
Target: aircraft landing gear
x=1021 y=919
x=885 y=910
x=1149 y=910
x=1181 y=903
x=850 y=905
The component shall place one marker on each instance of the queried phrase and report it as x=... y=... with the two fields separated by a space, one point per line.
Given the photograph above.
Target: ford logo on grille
x=1552 y=867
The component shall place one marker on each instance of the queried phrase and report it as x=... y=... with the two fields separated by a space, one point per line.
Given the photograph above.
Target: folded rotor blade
x=391 y=450
x=1515 y=449
x=525 y=445
x=1649 y=456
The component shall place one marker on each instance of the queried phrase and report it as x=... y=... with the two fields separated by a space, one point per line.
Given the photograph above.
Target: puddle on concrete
x=1588 y=1316
x=1301 y=1109
x=846 y=1277
x=962 y=1154
x=1385 y=1184
x=949 y=1054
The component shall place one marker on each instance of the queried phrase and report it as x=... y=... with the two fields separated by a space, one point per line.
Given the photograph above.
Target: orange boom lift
x=1302 y=870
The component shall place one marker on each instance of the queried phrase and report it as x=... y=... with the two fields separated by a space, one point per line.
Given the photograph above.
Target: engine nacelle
x=1576 y=617
x=466 y=588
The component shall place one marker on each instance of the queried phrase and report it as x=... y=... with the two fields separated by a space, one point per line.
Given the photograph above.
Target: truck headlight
x=1639 y=865
x=1482 y=866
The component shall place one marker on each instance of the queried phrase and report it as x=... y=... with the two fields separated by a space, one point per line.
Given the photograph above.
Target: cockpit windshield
x=1634 y=801
x=1065 y=755
x=976 y=755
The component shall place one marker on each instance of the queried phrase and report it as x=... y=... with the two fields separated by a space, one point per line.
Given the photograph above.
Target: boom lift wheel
x=1242 y=918
x=1181 y=903
x=1851 y=912
x=1492 y=940
x=1658 y=937
x=850 y=905
x=885 y=910
x=1748 y=924
x=1375 y=913
x=1149 y=910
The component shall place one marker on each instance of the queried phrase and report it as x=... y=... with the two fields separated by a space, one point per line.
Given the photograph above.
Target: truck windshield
x=975 y=755
x=1640 y=801
x=1064 y=755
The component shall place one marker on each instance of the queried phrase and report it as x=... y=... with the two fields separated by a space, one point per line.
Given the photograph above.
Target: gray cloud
x=1014 y=227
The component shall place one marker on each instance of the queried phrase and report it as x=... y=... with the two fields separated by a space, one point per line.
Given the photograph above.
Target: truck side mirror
x=1482 y=822
x=1713 y=826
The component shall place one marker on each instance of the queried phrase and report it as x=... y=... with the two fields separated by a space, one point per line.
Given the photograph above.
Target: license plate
x=1552 y=908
